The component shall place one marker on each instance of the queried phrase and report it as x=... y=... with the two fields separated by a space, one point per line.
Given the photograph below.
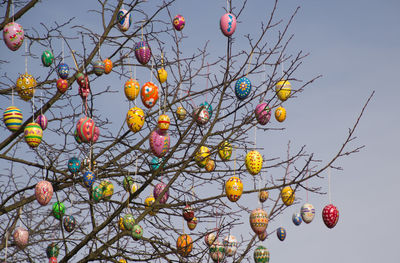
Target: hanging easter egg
x=137 y=232
x=80 y=79
x=184 y=245
x=162 y=75
x=108 y=65
x=179 y=22
x=42 y=121
x=129 y=222
x=74 y=165
x=263 y=196
x=108 y=189
x=142 y=52
x=26 y=86
x=254 y=162
x=330 y=215
x=21 y=237
x=217 y=251
x=210 y=238
x=210 y=165
x=121 y=224
x=131 y=89
x=242 y=88
x=88 y=178
x=155 y=163
x=135 y=119
x=129 y=185
x=163 y=122
x=307 y=212
x=12 y=118
x=52 y=250
x=281 y=233
x=263 y=113
x=85 y=129
x=53 y=260
x=96 y=134
x=280 y=114
x=234 y=188
x=97 y=193
x=122 y=260
x=261 y=255
x=99 y=67
x=76 y=137
x=263 y=236
x=296 y=218
x=181 y=113
x=159 y=143
x=43 y=192
x=33 y=134
x=208 y=107
x=230 y=243
x=13 y=35
x=283 y=89
x=124 y=20
x=63 y=70
x=47 y=58
x=149 y=201
x=287 y=195
x=192 y=223
x=58 y=210
x=258 y=220
x=202 y=156
x=188 y=213
x=149 y=94
x=62 y=85
x=84 y=87
x=157 y=192
x=69 y=223
x=225 y=150
x=227 y=24
x=201 y=115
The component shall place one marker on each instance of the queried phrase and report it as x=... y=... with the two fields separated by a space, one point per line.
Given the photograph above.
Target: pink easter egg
x=179 y=22
x=42 y=121
x=85 y=129
x=228 y=24
x=159 y=142
x=263 y=113
x=157 y=192
x=13 y=35
x=21 y=237
x=43 y=192
x=96 y=134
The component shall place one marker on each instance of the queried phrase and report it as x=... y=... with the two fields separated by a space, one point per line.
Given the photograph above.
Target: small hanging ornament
x=163 y=122
x=283 y=89
x=202 y=156
x=84 y=86
x=69 y=223
x=280 y=114
x=192 y=223
x=43 y=192
x=263 y=113
x=129 y=222
x=242 y=88
x=188 y=213
x=201 y=115
x=307 y=212
x=21 y=237
x=47 y=58
x=157 y=192
x=108 y=189
x=131 y=89
x=155 y=163
x=124 y=20
x=162 y=75
x=227 y=24
x=281 y=233
x=135 y=119
x=210 y=165
x=230 y=243
x=12 y=118
x=88 y=178
x=296 y=218
x=287 y=195
x=254 y=162
x=208 y=107
x=52 y=250
x=137 y=232
x=258 y=220
x=263 y=236
x=96 y=134
x=210 y=238
x=330 y=215
x=122 y=260
x=53 y=260
x=13 y=35
x=261 y=255
x=159 y=143
x=99 y=67
x=42 y=121
x=142 y=52
x=121 y=224
x=184 y=245
x=225 y=150
x=85 y=129
x=217 y=251
x=74 y=165
x=62 y=85
x=263 y=196
x=63 y=70
x=33 y=134
x=108 y=65
x=58 y=210
x=129 y=185
x=149 y=94
x=181 y=113
x=97 y=193
x=26 y=85
x=149 y=201
x=234 y=188
x=179 y=22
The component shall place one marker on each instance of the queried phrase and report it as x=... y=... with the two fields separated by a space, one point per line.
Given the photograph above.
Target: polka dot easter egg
x=242 y=88
x=281 y=233
x=254 y=162
x=63 y=70
x=69 y=223
x=179 y=22
x=149 y=94
x=62 y=85
x=26 y=85
x=135 y=119
x=234 y=188
x=330 y=215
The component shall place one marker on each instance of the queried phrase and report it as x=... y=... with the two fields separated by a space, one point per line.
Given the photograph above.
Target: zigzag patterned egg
x=234 y=188
x=254 y=162
x=124 y=20
x=330 y=215
x=263 y=113
x=26 y=86
x=33 y=134
x=13 y=35
x=227 y=24
x=307 y=212
x=43 y=192
x=242 y=88
x=157 y=192
x=261 y=255
x=201 y=115
x=42 y=121
x=135 y=119
x=131 y=89
x=12 y=118
x=149 y=94
x=142 y=52
x=159 y=143
x=230 y=243
x=258 y=220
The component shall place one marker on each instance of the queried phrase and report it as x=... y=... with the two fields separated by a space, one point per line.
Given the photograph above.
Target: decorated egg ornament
x=69 y=223
x=263 y=236
x=210 y=238
x=74 y=165
x=230 y=243
x=85 y=129
x=13 y=35
x=26 y=86
x=129 y=185
x=149 y=201
x=63 y=70
x=283 y=89
x=242 y=88
x=296 y=218
x=281 y=233
x=258 y=220
x=280 y=114
x=108 y=65
x=21 y=237
x=129 y=222
x=181 y=113
x=88 y=178
x=163 y=122
x=263 y=113
x=97 y=193
x=307 y=212
x=184 y=245
x=12 y=118
x=179 y=22
x=234 y=189
x=162 y=75
x=217 y=251
x=157 y=192
x=131 y=89
x=254 y=162
x=42 y=121
x=53 y=260
x=192 y=223
x=135 y=119
x=142 y=52
x=287 y=195
x=159 y=143
x=201 y=115
x=99 y=67
x=261 y=255
x=155 y=163
x=33 y=134
x=62 y=85
x=124 y=20
x=210 y=165
x=108 y=189
x=202 y=156
x=263 y=196
x=43 y=192
x=52 y=250
x=228 y=24
x=137 y=232
x=47 y=58
x=188 y=213
x=208 y=107
x=149 y=94
x=58 y=210
x=225 y=150
x=330 y=215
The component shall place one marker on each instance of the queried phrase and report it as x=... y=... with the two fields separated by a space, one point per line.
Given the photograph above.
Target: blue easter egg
x=156 y=163
x=74 y=165
x=88 y=178
x=296 y=218
x=63 y=70
x=208 y=107
x=281 y=233
x=242 y=88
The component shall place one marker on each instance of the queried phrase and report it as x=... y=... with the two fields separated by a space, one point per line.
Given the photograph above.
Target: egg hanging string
x=26 y=57
x=329 y=185
x=248 y=65
x=134 y=69
x=5 y=254
x=62 y=49
x=12 y=10
x=255 y=137
x=12 y=95
x=208 y=75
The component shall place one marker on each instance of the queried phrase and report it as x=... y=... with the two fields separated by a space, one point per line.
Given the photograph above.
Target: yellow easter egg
x=287 y=195
x=225 y=150
x=131 y=89
x=234 y=188
x=26 y=86
x=210 y=165
x=122 y=260
x=254 y=162
x=202 y=156
x=162 y=75
x=108 y=189
x=149 y=201
x=135 y=119
x=181 y=113
x=121 y=224
x=280 y=114
x=163 y=122
x=283 y=89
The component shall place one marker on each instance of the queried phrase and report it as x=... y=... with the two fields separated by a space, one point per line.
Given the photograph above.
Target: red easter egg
x=330 y=215
x=149 y=94
x=188 y=213
x=62 y=85
x=85 y=129
x=43 y=192
x=53 y=260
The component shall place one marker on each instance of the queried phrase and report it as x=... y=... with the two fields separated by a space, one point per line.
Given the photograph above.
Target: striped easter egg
x=85 y=129
x=12 y=118
x=42 y=121
x=33 y=134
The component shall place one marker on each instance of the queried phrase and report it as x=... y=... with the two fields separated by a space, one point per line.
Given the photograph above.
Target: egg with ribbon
x=330 y=215
x=234 y=188
x=242 y=88
x=135 y=119
x=261 y=255
x=124 y=20
x=263 y=113
x=26 y=85
x=142 y=52
x=258 y=220
x=13 y=35
x=307 y=212
x=254 y=162
x=43 y=192
x=159 y=143
x=184 y=245
x=158 y=190
x=33 y=134
x=227 y=24
x=149 y=94
x=12 y=118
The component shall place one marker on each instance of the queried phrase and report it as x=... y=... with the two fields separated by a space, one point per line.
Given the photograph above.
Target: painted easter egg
x=74 y=165
x=227 y=24
x=12 y=118
x=242 y=88
x=263 y=236
x=225 y=150
x=263 y=196
x=43 y=192
x=13 y=35
x=96 y=134
x=181 y=113
x=69 y=223
x=162 y=75
x=42 y=121
x=159 y=143
x=217 y=251
x=58 y=209
x=258 y=220
x=121 y=224
x=129 y=222
x=163 y=122
x=254 y=162
x=53 y=260
x=84 y=87
x=210 y=165
x=230 y=243
x=210 y=238
x=296 y=218
x=287 y=195
x=192 y=223
x=131 y=89
x=63 y=70
x=188 y=213
x=76 y=137
x=142 y=52
x=137 y=232
x=47 y=58
x=80 y=79
x=280 y=114
x=263 y=113
x=85 y=129
x=26 y=86
x=129 y=185
x=283 y=89
x=124 y=20
x=281 y=233
x=21 y=237
x=157 y=192
x=149 y=201
x=234 y=188
x=307 y=212
x=202 y=156
x=99 y=67
x=108 y=189
x=88 y=178
x=97 y=193
x=52 y=250
x=201 y=115
x=108 y=66
x=62 y=85
x=330 y=215
x=135 y=119
x=33 y=134
x=179 y=22
x=155 y=163
x=149 y=94
x=261 y=255
x=122 y=260
x=208 y=107
x=184 y=245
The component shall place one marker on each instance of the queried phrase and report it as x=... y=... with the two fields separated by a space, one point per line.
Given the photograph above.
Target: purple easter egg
x=142 y=52
x=13 y=35
x=179 y=22
x=42 y=121
x=159 y=143
x=263 y=113
x=228 y=24
x=157 y=191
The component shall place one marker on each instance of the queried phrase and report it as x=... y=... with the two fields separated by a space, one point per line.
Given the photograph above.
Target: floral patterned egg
x=129 y=185
x=129 y=222
x=283 y=89
x=330 y=215
x=242 y=88
x=227 y=24
x=74 y=165
x=63 y=70
x=108 y=65
x=53 y=260
x=21 y=237
x=88 y=178
x=42 y=121
x=281 y=233
x=135 y=119
x=99 y=67
x=210 y=165
x=201 y=115
x=163 y=122
x=149 y=201
x=296 y=218
x=188 y=213
x=230 y=243
x=157 y=192
x=263 y=196
x=234 y=188
x=179 y=22
x=210 y=238
x=155 y=163
x=85 y=129
x=12 y=118
x=131 y=89
x=142 y=52
x=217 y=251
x=225 y=150
x=26 y=86
x=108 y=189
x=258 y=220
x=13 y=35
x=47 y=58
x=43 y=192
x=254 y=162
x=69 y=223
x=307 y=212
x=58 y=209
x=52 y=250
x=162 y=75
x=192 y=223
x=287 y=195
x=137 y=232
x=263 y=113
x=263 y=236
x=261 y=255
x=149 y=94
x=202 y=156
x=184 y=245
x=124 y=20
x=159 y=143
x=33 y=134
x=280 y=114
x=62 y=85
x=208 y=107
x=181 y=113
